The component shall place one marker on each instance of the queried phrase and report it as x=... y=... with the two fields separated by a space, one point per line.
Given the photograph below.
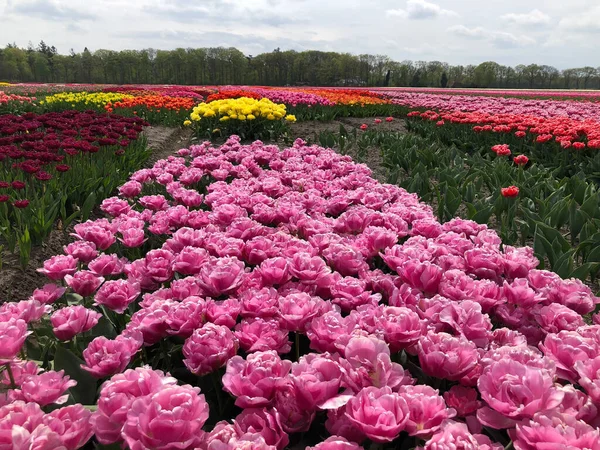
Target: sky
x=560 y=33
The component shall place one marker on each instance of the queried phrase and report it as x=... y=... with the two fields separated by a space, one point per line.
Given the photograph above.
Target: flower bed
x=55 y=165
x=287 y=291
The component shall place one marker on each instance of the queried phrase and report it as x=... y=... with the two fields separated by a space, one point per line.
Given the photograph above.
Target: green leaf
x=85 y=391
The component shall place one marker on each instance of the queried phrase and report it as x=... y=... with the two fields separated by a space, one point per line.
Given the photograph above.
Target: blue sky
x=555 y=32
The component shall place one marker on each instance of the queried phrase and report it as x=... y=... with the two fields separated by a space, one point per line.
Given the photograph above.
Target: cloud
x=224 y=11
x=586 y=21
x=47 y=9
x=534 y=17
x=500 y=39
x=419 y=10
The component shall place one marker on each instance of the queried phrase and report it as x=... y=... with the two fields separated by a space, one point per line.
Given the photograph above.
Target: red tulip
x=21 y=203
x=511 y=191
x=521 y=160
x=364 y=126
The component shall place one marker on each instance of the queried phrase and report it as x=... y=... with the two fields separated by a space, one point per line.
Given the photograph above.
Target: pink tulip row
x=583 y=111
x=573 y=94
x=416 y=329
x=5 y=98
x=289 y=97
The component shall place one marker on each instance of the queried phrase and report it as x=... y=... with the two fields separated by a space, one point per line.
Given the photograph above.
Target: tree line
x=219 y=66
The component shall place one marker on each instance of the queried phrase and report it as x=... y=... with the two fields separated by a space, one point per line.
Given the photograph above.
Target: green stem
x=11 y=377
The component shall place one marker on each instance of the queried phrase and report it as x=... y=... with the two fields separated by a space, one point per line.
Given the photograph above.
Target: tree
x=444 y=80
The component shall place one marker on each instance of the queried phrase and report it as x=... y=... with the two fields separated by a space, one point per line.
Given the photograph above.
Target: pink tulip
x=159 y=265
x=221 y=276
x=573 y=294
x=379 y=413
x=49 y=293
x=130 y=189
x=338 y=423
x=27 y=310
x=173 y=414
x=555 y=318
x=84 y=282
x=41 y=438
x=345 y=259
x=262 y=303
x=554 y=430
x=72 y=424
x=424 y=276
x=117 y=295
x=515 y=391
x=223 y=312
x=565 y=349
x=455 y=435
x=133 y=237
x=401 y=327
x=427 y=410
x=104 y=357
x=190 y=260
x=336 y=443
x=463 y=400
x=308 y=269
x=325 y=329
x=115 y=207
x=259 y=335
x=265 y=422
x=58 y=266
x=588 y=371
x=185 y=317
x=82 y=251
x=13 y=333
x=297 y=310
x=295 y=417
x=316 y=379
x=70 y=321
x=101 y=237
x=274 y=271
x=107 y=265
x=209 y=348
x=46 y=388
x=20 y=371
x=18 y=415
x=444 y=356
x=255 y=381
x=116 y=396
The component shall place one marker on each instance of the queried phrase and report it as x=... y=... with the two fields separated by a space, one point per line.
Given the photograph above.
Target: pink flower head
x=190 y=260
x=424 y=276
x=555 y=430
x=70 y=321
x=130 y=189
x=49 y=293
x=28 y=310
x=379 y=413
x=221 y=276
x=209 y=348
x=72 y=424
x=501 y=149
x=265 y=422
x=172 y=414
x=82 y=250
x=255 y=381
x=444 y=356
x=463 y=400
x=259 y=335
x=588 y=372
x=401 y=327
x=316 y=379
x=13 y=333
x=325 y=329
x=117 y=295
x=515 y=391
x=100 y=236
x=565 y=349
x=21 y=416
x=259 y=303
x=116 y=396
x=456 y=435
x=132 y=237
x=104 y=357
x=114 y=206
x=223 y=312
x=58 y=266
x=427 y=410
x=336 y=443
x=46 y=388
x=107 y=265
x=274 y=271
x=309 y=269
x=84 y=282
x=297 y=310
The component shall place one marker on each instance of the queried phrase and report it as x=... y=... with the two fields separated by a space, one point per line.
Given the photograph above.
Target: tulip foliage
x=56 y=165
x=245 y=296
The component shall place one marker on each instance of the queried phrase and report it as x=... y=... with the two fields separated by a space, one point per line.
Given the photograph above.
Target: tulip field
x=317 y=268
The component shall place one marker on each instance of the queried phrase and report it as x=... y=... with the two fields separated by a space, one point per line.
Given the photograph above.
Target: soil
x=17 y=284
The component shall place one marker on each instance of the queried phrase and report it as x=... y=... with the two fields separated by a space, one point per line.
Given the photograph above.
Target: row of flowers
x=51 y=163
x=275 y=292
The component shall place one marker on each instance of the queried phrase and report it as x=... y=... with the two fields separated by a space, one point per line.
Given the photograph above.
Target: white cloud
x=420 y=9
x=499 y=39
x=534 y=17
x=584 y=21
